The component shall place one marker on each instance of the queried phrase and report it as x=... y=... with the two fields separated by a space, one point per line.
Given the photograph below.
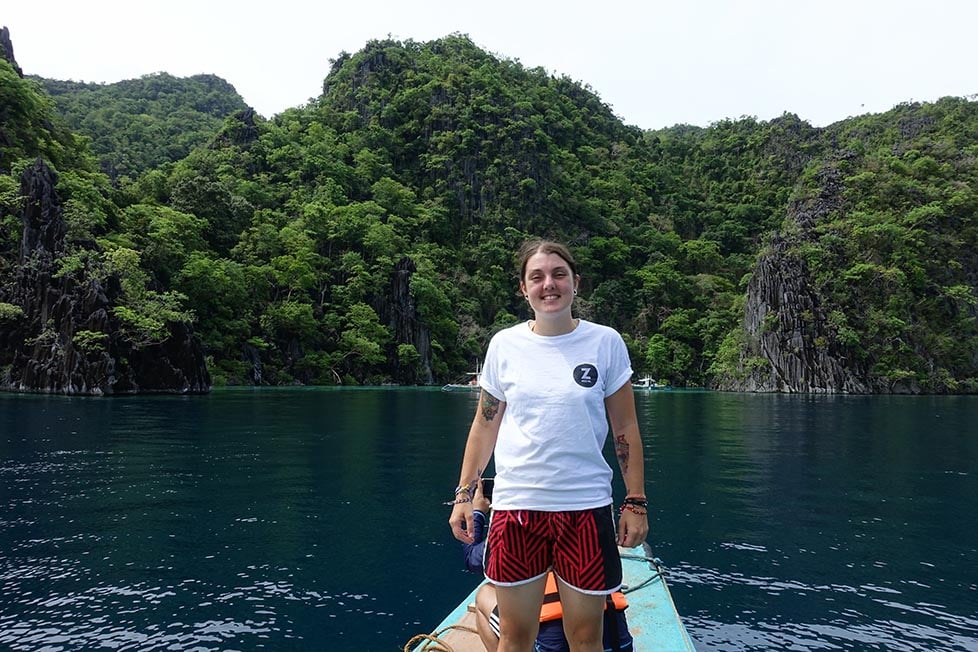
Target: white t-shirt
x=548 y=454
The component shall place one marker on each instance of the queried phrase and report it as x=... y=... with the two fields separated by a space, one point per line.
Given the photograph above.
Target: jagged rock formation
x=789 y=344
x=240 y=131
x=58 y=333
x=401 y=315
x=7 y=50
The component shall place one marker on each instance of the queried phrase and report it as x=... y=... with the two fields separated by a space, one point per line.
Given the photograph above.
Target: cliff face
x=58 y=333
x=7 y=50
x=400 y=314
x=789 y=344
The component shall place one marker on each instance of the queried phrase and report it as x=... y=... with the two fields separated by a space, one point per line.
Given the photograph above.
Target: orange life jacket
x=552 y=610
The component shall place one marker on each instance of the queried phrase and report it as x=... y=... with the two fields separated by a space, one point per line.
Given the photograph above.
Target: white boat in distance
x=467 y=383
x=649 y=383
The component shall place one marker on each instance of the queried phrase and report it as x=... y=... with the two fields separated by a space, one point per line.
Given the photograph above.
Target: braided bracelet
x=633 y=509
x=459 y=501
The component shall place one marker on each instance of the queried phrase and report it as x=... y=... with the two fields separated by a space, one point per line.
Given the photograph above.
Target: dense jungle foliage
x=139 y=124
x=281 y=237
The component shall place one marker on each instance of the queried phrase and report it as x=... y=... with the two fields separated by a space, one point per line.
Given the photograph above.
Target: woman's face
x=548 y=283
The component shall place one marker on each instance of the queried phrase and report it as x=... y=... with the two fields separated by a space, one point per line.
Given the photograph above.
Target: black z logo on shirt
x=586 y=375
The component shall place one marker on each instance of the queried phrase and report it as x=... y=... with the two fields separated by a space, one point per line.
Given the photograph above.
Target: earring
x=575 y=292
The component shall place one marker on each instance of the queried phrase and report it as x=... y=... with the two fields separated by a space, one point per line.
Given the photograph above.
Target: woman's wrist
x=634 y=509
x=636 y=503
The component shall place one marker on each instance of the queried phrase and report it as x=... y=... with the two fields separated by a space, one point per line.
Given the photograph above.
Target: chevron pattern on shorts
x=527 y=550
x=580 y=560
x=580 y=546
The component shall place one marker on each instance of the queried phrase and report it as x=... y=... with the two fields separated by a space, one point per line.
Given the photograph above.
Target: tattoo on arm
x=621 y=450
x=490 y=406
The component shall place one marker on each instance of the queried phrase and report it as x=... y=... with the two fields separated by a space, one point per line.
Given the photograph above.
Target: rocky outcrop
x=58 y=332
x=7 y=50
x=401 y=316
x=790 y=346
x=240 y=130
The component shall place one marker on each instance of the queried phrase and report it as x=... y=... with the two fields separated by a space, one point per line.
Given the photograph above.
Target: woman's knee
x=584 y=635
x=518 y=633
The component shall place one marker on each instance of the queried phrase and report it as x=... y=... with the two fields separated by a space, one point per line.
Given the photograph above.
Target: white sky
x=656 y=63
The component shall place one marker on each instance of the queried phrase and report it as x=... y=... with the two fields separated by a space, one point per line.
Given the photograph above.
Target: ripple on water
x=843 y=617
x=189 y=614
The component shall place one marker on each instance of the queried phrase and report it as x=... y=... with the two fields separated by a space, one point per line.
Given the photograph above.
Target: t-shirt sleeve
x=619 y=365
x=489 y=378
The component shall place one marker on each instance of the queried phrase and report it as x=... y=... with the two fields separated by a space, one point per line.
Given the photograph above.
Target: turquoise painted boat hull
x=652 y=617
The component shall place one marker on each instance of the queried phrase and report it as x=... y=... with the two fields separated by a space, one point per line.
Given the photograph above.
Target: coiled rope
x=433 y=642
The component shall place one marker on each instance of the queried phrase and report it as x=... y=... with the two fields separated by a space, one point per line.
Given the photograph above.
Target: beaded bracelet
x=638 y=502
x=633 y=509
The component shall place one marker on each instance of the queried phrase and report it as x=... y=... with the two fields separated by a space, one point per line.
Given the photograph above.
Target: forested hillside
x=139 y=124
x=870 y=284
x=77 y=314
x=368 y=237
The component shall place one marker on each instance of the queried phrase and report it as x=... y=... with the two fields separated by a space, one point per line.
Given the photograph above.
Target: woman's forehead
x=542 y=261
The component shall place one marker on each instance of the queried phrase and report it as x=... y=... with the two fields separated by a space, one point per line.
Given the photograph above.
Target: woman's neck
x=560 y=325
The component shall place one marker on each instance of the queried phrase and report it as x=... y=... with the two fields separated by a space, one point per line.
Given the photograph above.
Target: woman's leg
x=583 y=618
x=519 y=615
x=485 y=602
x=587 y=565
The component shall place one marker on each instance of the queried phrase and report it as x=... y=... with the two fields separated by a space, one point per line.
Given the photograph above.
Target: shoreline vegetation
x=364 y=238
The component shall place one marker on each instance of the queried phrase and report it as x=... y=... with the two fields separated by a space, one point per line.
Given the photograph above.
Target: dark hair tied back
x=533 y=247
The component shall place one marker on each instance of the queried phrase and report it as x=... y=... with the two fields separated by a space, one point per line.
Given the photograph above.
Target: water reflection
x=817 y=522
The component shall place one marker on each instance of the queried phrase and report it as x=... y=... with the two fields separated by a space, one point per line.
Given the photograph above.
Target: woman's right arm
x=478 y=450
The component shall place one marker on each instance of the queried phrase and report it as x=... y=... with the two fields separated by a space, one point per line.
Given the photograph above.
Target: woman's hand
x=462 y=522
x=632 y=528
x=479 y=500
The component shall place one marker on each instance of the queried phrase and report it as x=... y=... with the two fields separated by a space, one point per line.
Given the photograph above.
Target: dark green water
x=309 y=519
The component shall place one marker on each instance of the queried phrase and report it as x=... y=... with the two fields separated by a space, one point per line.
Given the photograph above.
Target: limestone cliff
x=400 y=314
x=58 y=331
x=7 y=50
x=789 y=344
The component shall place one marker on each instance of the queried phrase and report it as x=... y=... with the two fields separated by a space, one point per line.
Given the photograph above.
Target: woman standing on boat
x=549 y=388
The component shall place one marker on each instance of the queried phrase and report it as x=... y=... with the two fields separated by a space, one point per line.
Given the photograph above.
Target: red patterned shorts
x=580 y=547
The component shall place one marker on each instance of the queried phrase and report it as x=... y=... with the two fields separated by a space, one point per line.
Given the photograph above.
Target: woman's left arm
x=633 y=526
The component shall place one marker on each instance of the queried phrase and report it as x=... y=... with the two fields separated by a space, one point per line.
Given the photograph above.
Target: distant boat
x=467 y=383
x=648 y=383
